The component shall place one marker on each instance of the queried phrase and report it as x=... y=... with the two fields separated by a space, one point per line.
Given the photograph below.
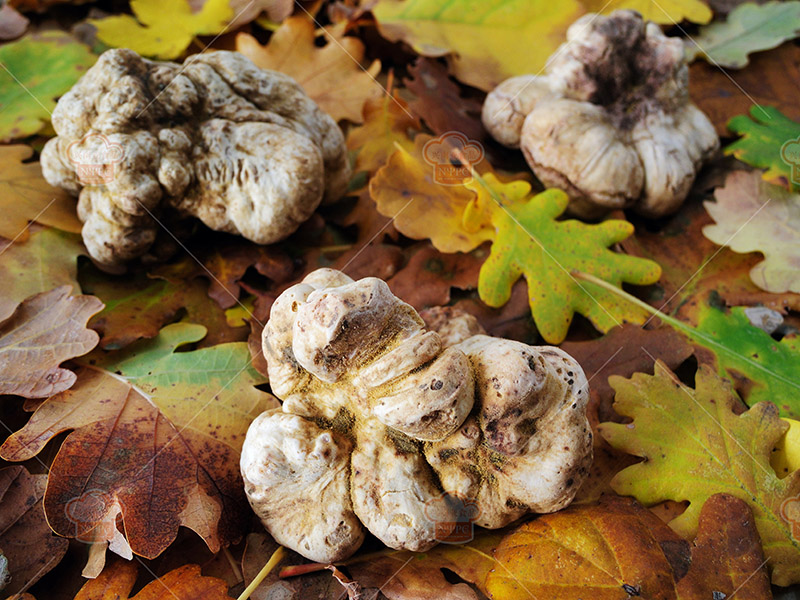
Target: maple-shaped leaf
x=618 y=550
x=332 y=75
x=25 y=196
x=26 y=540
x=48 y=259
x=184 y=583
x=37 y=70
x=768 y=142
x=163 y=29
x=695 y=444
x=481 y=39
x=387 y=124
x=748 y=28
x=156 y=437
x=669 y=12
x=529 y=242
x=754 y=216
x=44 y=331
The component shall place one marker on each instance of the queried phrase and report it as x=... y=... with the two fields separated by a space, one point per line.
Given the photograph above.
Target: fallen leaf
x=25 y=539
x=156 y=437
x=512 y=321
x=163 y=30
x=696 y=271
x=25 y=196
x=138 y=306
x=624 y=351
x=696 y=444
x=770 y=79
x=184 y=583
x=529 y=242
x=362 y=214
x=668 y=12
x=769 y=141
x=44 y=331
x=764 y=370
x=749 y=28
x=387 y=125
x=48 y=259
x=439 y=102
x=429 y=276
x=481 y=40
x=754 y=216
x=331 y=75
x=245 y=11
x=618 y=550
x=36 y=71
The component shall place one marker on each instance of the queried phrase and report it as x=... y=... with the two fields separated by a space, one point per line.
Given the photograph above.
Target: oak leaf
x=748 y=28
x=48 y=259
x=754 y=216
x=155 y=437
x=44 y=331
x=163 y=29
x=37 y=70
x=696 y=443
x=332 y=75
x=25 y=539
x=668 y=12
x=184 y=583
x=481 y=40
x=25 y=196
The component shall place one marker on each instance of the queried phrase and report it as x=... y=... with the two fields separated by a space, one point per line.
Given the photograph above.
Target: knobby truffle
x=610 y=121
x=388 y=426
x=241 y=148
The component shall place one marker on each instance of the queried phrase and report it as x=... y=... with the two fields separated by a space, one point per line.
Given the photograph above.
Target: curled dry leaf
x=155 y=436
x=332 y=75
x=184 y=583
x=696 y=443
x=754 y=216
x=44 y=331
x=25 y=538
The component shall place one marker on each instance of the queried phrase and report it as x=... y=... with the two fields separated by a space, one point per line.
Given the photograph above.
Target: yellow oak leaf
x=487 y=40
x=331 y=75
x=163 y=29
x=659 y=11
x=25 y=196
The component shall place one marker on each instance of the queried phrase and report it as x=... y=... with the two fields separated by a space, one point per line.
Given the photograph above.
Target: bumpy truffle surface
x=241 y=148
x=610 y=121
x=400 y=427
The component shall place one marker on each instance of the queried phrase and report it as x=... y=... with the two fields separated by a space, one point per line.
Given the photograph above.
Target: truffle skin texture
x=610 y=121
x=241 y=148
x=415 y=422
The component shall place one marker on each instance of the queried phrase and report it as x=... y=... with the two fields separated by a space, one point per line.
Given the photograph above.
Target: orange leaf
x=331 y=75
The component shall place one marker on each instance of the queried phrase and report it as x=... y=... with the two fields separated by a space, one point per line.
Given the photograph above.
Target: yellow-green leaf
x=487 y=40
x=163 y=29
x=668 y=12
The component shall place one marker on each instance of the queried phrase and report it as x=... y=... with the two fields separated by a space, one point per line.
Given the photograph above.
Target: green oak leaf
x=696 y=444
x=749 y=28
x=37 y=70
x=531 y=243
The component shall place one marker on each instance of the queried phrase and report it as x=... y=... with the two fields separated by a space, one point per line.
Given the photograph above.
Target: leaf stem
x=276 y=557
x=295 y=570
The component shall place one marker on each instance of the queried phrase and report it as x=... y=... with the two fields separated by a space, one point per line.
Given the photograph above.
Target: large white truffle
x=489 y=423
x=241 y=148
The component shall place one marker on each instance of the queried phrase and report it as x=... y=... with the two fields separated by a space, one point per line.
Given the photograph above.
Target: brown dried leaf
x=44 y=331
x=25 y=539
